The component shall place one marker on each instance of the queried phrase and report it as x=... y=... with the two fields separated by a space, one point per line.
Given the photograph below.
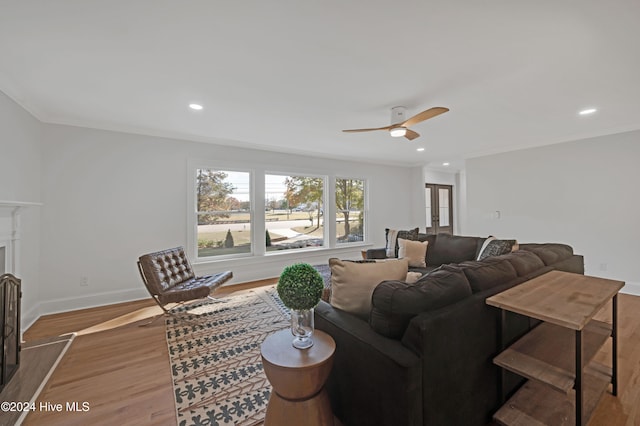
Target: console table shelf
x=536 y=405
x=547 y=353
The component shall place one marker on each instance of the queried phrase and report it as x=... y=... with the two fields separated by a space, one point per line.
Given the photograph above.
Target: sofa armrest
x=376 y=253
x=365 y=363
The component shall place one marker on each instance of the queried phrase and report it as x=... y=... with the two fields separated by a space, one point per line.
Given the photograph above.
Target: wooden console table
x=297 y=377
x=556 y=356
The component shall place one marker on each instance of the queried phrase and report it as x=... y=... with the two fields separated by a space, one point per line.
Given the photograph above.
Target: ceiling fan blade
x=411 y=135
x=424 y=115
x=367 y=130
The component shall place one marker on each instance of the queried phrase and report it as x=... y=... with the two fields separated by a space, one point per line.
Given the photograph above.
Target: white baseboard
x=29 y=317
x=90 y=301
x=631 y=288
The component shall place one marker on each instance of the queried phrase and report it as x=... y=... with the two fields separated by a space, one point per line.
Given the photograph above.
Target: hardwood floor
x=122 y=370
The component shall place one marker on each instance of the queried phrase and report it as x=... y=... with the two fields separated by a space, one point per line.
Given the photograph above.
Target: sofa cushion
x=352 y=283
x=453 y=249
x=395 y=303
x=483 y=275
x=414 y=251
x=550 y=253
x=430 y=238
x=391 y=237
x=524 y=262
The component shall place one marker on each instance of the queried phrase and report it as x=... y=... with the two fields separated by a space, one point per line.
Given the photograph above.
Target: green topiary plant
x=300 y=286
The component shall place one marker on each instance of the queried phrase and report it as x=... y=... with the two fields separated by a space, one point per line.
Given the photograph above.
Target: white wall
x=583 y=193
x=20 y=164
x=110 y=197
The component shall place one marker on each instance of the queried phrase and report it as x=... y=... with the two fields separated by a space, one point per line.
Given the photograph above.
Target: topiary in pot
x=300 y=288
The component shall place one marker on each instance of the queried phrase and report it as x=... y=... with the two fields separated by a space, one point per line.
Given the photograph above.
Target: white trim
x=48 y=376
x=4 y=203
x=29 y=317
x=631 y=288
x=10 y=236
x=90 y=301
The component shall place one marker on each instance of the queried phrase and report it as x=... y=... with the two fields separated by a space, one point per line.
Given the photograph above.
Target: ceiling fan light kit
x=400 y=127
x=398 y=132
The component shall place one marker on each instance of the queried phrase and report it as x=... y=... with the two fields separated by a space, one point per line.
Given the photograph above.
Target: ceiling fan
x=400 y=125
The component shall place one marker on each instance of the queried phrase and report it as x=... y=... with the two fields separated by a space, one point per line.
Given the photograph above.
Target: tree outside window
x=293 y=212
x=350 y=212
x=223 y=212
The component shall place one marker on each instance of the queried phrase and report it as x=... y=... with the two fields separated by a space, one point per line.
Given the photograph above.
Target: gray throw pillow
x=497 y=248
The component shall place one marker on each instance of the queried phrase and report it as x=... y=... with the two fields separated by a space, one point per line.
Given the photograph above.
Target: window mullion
x=258 y=226
x=330 y=213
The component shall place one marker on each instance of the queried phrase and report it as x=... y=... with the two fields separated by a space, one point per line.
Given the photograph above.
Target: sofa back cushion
x=550 y=253
x=524 y=262
x=453 y=249
x=395 y=303
x=352 y=283
x=483 y=275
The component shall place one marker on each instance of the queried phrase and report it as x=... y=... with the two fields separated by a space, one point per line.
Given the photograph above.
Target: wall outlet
x=84 y=281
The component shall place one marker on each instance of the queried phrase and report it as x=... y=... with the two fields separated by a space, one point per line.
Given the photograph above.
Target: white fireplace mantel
x=10 y=233
x=13 y=204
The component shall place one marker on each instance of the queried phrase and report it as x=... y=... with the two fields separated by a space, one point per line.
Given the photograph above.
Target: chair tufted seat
x=194 y=288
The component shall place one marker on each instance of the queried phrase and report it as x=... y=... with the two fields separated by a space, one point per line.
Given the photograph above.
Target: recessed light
x=587 y=111
x=445 y=164
x=197 y=107
x=420 y=149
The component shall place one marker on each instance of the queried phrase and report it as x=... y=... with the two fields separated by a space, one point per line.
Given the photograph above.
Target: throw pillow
x=497 y=248
x=353 y=283
x=412 y=277
x=484 y=245
x=414 y=251
x=392 y=235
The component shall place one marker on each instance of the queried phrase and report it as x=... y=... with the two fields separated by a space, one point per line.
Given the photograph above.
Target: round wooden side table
x=297 y=377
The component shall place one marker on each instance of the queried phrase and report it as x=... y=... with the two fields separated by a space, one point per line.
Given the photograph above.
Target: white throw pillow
x=414 y=251
x=412 y=277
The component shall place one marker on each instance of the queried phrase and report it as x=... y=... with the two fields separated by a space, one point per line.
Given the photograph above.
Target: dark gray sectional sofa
x=424 y=354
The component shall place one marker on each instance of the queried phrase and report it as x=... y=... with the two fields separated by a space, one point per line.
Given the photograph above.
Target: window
x=350 y=210
x=241 y=213
x=223 y=212
x=293 y=212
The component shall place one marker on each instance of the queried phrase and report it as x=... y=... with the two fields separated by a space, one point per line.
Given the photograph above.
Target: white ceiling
x=290 y=75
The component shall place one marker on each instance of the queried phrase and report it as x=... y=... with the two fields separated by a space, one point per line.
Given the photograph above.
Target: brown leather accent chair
x=169 y=278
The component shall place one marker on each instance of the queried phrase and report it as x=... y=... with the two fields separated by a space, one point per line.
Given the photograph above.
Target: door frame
x=434 y=202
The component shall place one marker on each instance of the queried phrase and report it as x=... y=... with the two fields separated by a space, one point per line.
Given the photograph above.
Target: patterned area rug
x=215 y=358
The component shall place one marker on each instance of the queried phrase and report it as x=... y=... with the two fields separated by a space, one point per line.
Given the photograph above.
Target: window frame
x=257 y=196
x=192 y=238
x=365 y=212
x=325 y=183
